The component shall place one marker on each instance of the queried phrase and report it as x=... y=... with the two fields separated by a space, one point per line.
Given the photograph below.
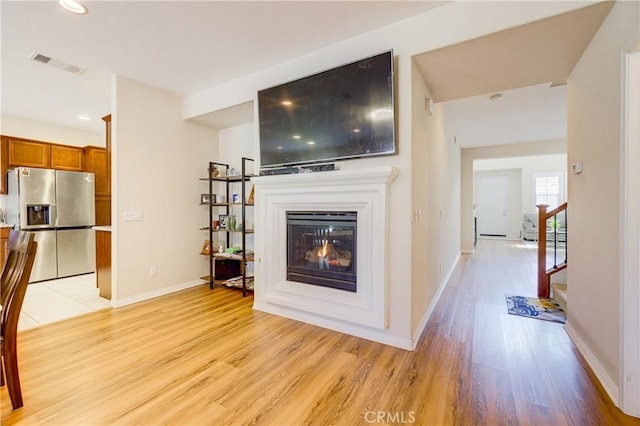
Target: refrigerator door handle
x=53 y=215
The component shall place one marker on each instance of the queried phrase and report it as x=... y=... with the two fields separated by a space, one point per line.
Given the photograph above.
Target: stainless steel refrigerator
x=59 y=207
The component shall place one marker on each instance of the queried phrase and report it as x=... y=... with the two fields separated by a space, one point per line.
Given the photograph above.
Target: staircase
x=560 y=294
x=552 y=248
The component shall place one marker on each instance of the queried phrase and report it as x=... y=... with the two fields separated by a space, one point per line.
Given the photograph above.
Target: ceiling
x=185 y=47
x=528 y=65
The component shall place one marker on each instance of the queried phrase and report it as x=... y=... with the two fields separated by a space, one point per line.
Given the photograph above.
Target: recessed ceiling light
x=73 y=6
x=495 y=97
x=287 y=103
x=311 y=143
x=84 y=117
x=296 y=136
x=356 y=130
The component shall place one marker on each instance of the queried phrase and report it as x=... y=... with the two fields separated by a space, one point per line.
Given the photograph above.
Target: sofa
x=530 y=227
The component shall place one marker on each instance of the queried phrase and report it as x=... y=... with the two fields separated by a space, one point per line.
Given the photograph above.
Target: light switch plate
x=132 y=216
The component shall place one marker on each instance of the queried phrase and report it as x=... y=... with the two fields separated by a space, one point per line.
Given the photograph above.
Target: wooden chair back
x=13 y=286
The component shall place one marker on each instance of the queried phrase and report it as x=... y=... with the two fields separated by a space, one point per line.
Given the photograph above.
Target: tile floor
x=56 y=300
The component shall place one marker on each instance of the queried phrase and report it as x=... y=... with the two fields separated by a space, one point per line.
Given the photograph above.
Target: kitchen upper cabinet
x=95 y=161
x=66 y=158
x=44 y=155
x=28 y=153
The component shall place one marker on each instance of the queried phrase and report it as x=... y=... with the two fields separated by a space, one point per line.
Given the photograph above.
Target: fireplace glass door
x=321 y=248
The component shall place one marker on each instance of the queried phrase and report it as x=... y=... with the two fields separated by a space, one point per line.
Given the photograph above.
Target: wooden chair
x=14 y=280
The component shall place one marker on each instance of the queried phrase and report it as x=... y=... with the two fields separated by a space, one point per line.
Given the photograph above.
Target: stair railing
x=557 y=237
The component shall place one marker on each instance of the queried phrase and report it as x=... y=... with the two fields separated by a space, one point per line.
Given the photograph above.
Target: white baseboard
x=335 y=325
x=156 y=293
x=605 y=379
x=434 y=301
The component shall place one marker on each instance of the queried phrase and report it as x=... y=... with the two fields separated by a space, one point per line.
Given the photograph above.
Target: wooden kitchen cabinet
x=95 y=161
x=103 y=263
x=4 y=242
x=28 y=153
x=103 y=210
x=4 y=164
x=66 y=158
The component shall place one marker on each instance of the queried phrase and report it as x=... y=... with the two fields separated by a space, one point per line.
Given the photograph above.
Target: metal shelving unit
x=227 y=206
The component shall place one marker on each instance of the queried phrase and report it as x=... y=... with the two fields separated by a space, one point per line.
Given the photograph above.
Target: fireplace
x=321 y=248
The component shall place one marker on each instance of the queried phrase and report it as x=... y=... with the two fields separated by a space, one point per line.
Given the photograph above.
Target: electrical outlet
x=153 y=271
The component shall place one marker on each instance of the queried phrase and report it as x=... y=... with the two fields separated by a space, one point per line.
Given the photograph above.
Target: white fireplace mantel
x=365 y=191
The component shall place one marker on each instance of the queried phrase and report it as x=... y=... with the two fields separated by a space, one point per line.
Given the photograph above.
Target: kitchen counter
x=101 y=228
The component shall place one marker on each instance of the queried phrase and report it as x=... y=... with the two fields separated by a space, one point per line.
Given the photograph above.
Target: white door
x=492 y=205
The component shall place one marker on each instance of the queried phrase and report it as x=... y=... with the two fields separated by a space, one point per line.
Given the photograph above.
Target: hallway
x=514 y=370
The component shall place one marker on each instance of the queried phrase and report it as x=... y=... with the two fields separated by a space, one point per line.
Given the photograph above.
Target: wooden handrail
x=555 y=211
x=544 y=276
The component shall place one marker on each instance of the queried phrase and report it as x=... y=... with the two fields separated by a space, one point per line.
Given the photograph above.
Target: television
x=342 y=113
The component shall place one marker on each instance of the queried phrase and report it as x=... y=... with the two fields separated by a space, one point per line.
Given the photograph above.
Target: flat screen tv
x=342 y=113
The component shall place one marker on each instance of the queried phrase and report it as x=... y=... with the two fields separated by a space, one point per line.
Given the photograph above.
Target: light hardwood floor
x=204 y=357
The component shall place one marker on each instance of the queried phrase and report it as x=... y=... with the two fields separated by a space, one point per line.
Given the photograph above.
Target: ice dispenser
x=38 y=214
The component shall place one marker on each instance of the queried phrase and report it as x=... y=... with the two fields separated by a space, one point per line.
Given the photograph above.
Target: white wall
x=521 y=196
x=594 y=137
x=233 y=144
x=157 y=160
x=38 y=130
x=470 y=155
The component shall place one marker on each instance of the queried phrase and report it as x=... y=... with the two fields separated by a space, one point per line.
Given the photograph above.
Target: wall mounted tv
x=345 y=112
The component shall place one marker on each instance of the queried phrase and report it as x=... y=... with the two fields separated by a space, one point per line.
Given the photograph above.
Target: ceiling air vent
x=39 y=57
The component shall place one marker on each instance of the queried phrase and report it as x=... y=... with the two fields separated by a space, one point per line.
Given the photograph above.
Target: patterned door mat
x=532 y=307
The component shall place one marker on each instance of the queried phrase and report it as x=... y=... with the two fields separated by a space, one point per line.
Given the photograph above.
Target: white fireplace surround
x=365 y=191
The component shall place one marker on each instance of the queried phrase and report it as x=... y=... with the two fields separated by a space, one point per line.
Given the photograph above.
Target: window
x=547 y=189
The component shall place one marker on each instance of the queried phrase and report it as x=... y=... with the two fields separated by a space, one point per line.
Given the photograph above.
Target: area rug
x=532 y=307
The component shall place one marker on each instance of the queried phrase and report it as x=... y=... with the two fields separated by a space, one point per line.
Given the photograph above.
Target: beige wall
x=38 y=130
x=157 y=160
x=435 y=188
x=594 y=137
x=469 y=155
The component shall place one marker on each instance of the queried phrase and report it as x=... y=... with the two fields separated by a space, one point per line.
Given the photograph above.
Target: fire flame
x=325 y=249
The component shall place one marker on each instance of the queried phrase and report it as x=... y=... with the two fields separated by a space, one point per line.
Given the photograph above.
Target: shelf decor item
x=206 y=247
x=205 y=199
x=250 y=197
x=222 y=219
